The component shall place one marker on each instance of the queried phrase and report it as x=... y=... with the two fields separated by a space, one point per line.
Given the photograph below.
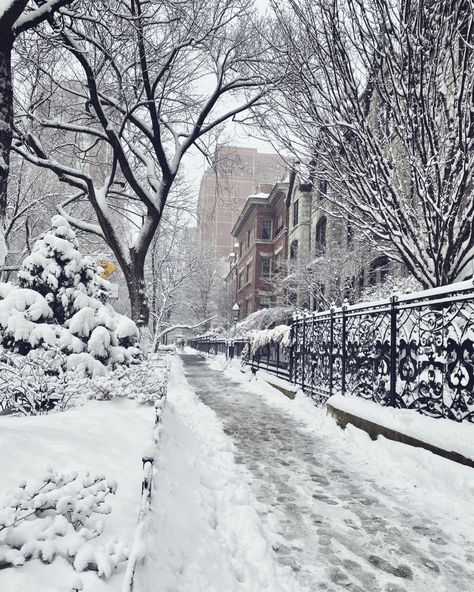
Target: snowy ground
x=106 y=437
x=345 y=513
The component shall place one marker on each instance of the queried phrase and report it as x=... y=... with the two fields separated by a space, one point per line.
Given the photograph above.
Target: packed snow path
x=338 y=530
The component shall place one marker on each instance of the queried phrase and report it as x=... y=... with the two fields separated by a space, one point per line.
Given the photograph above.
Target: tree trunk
x=135 y=278
x=6 y=121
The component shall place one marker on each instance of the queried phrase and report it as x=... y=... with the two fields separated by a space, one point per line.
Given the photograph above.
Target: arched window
x=294 y=250
x=378 y=270
x=321 y=237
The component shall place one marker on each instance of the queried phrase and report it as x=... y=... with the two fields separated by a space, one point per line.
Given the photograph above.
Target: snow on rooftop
x=260 y=195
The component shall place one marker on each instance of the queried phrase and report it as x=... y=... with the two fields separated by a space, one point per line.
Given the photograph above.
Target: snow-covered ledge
x=442 y=436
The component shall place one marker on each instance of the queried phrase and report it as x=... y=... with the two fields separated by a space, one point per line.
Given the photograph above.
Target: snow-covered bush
x=145 y=382
x=36 y=383
x=60 y=302
x=262 y=319
x=59 y=516
x=391 y=285
x=280 y=335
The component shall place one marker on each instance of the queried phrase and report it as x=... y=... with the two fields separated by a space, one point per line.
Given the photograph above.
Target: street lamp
x=235 y=316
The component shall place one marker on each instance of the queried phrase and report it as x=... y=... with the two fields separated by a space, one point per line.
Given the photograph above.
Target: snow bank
x=105 y=437
x=443 y=433
x=206 y=535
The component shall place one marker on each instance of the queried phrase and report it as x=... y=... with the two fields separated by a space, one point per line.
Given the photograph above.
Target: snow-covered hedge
x=280 y=334
x=60 y=303
x=262 y=319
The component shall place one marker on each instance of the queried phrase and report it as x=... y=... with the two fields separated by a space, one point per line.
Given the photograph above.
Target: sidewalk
x=346 y=513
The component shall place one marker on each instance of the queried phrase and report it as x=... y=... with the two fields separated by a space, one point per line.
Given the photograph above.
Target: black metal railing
x=413 y=351
x=273 y=358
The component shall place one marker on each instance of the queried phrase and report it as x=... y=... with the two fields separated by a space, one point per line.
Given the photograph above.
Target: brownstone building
x=261 y=233
x=236 y=173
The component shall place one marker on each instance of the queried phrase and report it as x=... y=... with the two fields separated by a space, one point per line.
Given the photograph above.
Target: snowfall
x=252 y=492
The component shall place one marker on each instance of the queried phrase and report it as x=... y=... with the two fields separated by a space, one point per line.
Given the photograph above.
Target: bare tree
x=16 y=17
x=378 y=97
x=173 y=265
x=320 y=281
x=150 y=82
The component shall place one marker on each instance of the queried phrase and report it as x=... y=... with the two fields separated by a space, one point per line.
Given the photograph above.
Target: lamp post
x=235 y=316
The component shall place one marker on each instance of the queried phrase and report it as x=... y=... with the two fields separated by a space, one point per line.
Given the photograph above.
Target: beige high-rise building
x=236 y=173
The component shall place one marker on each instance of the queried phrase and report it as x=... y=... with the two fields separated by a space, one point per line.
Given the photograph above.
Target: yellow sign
x=108 y=267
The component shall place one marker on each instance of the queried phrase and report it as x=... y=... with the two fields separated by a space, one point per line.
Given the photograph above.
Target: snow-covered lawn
x=102 y=437
x=205 y=534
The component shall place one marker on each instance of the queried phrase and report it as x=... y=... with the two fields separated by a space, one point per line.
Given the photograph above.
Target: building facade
x=260 y=235
x=236 y=173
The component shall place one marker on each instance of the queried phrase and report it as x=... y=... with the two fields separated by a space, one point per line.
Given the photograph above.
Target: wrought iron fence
x=273 y=358
x=413 y=351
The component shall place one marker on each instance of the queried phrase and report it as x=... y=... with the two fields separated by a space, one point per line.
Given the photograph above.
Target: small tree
x=60 y=303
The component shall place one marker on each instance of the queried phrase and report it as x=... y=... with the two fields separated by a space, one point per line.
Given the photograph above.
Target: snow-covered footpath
x=204 y=534
x=102 y=437
x=447 y=487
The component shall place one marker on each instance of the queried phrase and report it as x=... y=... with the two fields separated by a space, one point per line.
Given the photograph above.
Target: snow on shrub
x=36 y=383
x=59 y=516
x=146 y=383
x=60 y=302
x=263 y=319
x=280 y=334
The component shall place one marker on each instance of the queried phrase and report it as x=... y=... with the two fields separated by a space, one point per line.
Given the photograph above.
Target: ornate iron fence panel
x=368 y=361
x=436 y=358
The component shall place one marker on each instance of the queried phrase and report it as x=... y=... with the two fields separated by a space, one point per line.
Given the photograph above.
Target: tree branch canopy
x=146 y=83
x=378 y=95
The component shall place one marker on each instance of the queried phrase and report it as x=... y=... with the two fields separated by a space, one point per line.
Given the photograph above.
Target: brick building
x=236 y=173
x=260 y=236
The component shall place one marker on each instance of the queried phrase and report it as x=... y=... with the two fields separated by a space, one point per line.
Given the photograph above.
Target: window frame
x=296 y=208
x=270 y=234
x=265 y=258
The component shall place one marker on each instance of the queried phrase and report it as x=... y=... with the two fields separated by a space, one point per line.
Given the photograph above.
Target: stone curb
x=374 y=430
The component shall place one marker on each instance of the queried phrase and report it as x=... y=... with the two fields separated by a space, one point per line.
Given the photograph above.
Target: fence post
x=278 y=359
x=303 y=354
x=292 y=350
x=344 y=347
x=393 y=350
x=331 y=349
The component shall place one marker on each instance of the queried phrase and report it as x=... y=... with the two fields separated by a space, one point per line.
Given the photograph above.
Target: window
x=248 y=275
x=294 y=250
x=248 y=239
x=295 y=212
x=361 y=282
x=241 y=278
x=323 y=188
x=265 y=302
x=350 y=237
x=241 y=248
x=248 y=306
x=321 y=237
x=266 y=229
x=278 y=260
x=266 y=267
x=279 y=223
x=378 y=270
